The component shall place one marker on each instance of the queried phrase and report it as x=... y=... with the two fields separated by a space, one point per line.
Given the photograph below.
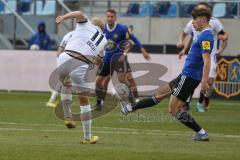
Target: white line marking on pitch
x=124 y=131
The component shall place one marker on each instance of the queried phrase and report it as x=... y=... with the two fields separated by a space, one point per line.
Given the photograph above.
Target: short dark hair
x=197 y=12
x=112 y=11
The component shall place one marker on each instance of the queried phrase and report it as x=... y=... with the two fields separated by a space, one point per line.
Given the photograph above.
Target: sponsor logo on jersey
x=206 y=45
x=115 y=36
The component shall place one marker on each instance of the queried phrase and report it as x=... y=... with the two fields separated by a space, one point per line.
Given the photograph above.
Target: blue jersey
x=136 y=42
x=202 y=44
x=117 y=39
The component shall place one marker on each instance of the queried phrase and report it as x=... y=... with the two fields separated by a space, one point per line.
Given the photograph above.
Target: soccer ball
x=122 y=91
x=34 y=47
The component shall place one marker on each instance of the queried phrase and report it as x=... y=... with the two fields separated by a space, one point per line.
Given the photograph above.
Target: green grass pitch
x=31 y=131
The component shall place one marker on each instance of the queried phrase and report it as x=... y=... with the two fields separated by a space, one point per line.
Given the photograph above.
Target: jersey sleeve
x=188 y=28
x=137 y=43
x=126 y=32
x=206 y=43
x=216 y=25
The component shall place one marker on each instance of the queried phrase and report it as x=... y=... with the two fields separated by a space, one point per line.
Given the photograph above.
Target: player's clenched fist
x=59 y=19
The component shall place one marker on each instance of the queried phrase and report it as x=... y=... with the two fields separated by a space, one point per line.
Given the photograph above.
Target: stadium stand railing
x=31 y=11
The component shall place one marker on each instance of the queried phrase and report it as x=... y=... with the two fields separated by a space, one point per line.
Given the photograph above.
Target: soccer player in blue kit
x=195 y=71
x=115 y=58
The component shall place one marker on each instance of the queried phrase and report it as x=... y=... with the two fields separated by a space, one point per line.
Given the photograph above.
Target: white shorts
x=213 y=65
x=73 y=69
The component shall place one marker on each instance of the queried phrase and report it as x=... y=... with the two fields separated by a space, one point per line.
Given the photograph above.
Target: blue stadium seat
x=24 y=6
x=133 y=9
x=12 y=4
x=1 y=7
x=219 y=10
x=172 y=12
x=49 y=8
x=146 y=9
x=39 y=7
x=233 y=9
x=143 y=9
x=151 y=8
x=186 y=9
x=162 y=8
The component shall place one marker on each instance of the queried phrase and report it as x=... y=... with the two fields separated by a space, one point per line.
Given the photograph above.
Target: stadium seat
x=186 y=9
x=1 y=7
x=49 y=8
x=232 y=8
x=12 y=4
x=143 y=9
x=151 y=8
x=24 y=6
x=219 y=10
x=172 y=12
x=146 y=9
x=133 y=9
x=39 y=7
x=162 y=8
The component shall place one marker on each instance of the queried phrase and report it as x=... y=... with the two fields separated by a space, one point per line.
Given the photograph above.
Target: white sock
x=55 y=92
x=54 y=96
x=202 y=131
x=86 y=119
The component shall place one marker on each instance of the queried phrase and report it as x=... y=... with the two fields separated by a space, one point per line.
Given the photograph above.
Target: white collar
x=110 y=30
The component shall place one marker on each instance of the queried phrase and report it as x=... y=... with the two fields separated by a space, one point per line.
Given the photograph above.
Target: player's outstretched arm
x=76 y=14
x=145 y=54
x=139 y=45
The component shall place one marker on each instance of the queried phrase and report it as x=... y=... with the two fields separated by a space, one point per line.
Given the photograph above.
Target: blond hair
x=98 y=22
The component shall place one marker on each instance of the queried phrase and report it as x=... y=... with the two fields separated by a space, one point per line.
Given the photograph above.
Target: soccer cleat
x=99 y=105
x=126 y=107
x=70 y=123
x=93 y=140
x=201 y=137
x=200 y=107
x=52 y=104
x=137 y=100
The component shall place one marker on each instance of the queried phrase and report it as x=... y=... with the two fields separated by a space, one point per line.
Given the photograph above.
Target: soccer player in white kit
x=52 y=102
x=219 y=34
x=82 y=50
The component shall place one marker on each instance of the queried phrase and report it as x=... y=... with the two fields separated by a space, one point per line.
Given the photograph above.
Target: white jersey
x=65 y=39
x=216 y=26
x=87 y=39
